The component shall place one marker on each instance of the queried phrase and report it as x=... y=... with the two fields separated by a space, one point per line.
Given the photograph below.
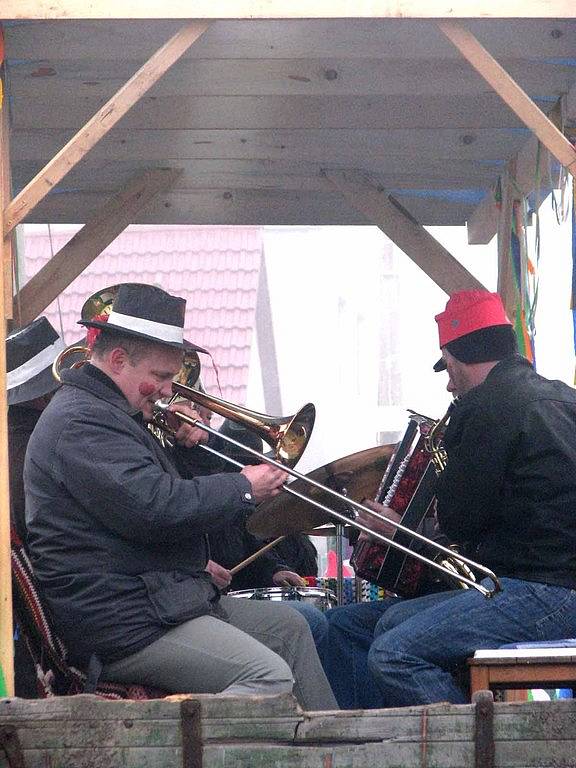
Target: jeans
x=344 y=655
x=316 y=621
x=351 y=631
x=419 y=644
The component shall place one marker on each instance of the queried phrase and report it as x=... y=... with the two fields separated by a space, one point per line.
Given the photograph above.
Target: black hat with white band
x=30 y=352
x=147 y=312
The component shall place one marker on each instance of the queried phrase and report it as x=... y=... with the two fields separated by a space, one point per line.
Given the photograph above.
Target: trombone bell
x=288 y=436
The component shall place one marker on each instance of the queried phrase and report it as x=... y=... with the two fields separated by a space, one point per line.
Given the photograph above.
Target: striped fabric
x=54 y=675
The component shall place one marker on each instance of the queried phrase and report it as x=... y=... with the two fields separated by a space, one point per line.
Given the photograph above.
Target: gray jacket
x=116 y=536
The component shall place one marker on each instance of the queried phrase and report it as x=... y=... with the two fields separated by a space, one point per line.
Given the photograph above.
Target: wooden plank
x=100 y=124
x=385 y=755
x=86 y=732
x=296 y=177
x=499 y=79
x=535 y=675
x=397 y=172
x=6 y=630
x=117 y=722
x=410 y=40
x=408 y=235
x=330 y=147
x=333 y=76
x=281 y=9
x=89 y=707
x=484 y=110
x=247 y=207
x=114 y=216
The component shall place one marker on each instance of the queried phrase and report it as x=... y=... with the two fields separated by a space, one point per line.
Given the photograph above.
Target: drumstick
x=256 y=555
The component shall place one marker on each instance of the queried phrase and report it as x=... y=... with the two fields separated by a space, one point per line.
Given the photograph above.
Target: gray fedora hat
x=147 y=312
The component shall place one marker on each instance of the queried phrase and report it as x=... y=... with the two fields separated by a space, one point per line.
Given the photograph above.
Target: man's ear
x=117 y=359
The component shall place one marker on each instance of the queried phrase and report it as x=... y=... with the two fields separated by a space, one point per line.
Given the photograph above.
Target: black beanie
x=493 y=343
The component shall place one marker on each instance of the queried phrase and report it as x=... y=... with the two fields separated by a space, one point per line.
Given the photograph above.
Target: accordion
x=408 y=488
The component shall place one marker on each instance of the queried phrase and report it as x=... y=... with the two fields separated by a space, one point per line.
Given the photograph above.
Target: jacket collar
x=496 y=375
x=505 y=365
x=99 y=384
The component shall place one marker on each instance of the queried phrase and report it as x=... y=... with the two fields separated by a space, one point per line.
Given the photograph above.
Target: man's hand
x=288 y=579
x=266 y=481
x=376 y=525
x=187 y=435
x=221 y=576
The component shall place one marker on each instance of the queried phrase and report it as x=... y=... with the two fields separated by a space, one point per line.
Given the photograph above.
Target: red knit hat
x=469 y=311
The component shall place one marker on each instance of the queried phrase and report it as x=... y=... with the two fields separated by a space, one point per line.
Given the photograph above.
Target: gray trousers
x=265 y=647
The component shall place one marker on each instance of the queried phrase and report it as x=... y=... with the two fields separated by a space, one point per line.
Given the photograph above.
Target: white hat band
x=169 y=333
x=34 y=366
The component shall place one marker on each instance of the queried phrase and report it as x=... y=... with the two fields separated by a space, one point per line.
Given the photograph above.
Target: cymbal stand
x=339 y=564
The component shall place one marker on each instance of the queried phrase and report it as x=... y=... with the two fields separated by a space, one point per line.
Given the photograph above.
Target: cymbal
x=358 y=476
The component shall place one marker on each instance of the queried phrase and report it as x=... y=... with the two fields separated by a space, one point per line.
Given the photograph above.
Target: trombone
x=291 y=443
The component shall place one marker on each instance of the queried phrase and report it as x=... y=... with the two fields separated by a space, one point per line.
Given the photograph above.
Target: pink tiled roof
x=215 y=269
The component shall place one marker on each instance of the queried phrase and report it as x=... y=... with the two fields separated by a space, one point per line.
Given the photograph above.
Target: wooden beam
x=179 y=112
x=418 y=244
x=546 y=39
x=90 y=241
x=530 y=160
x=6 y=632
x=100 y=124
x=519 y=101
x=82 y=81
x=248 y=207
x=335 y=148
x=283 y=9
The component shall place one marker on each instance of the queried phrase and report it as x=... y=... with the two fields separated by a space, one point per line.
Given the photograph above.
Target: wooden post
x=6 y=630
x=511 y=93
x=409 y=236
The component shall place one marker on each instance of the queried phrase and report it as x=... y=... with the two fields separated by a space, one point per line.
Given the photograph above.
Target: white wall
x=326 y=296
x=554 y=329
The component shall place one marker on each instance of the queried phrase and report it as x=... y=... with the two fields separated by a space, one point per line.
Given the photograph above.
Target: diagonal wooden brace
x=104 y=227
x=410 y=236
x=511 y=93
x=99 y=125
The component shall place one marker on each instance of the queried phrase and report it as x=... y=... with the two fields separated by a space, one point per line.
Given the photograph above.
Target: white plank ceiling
x=256 y=110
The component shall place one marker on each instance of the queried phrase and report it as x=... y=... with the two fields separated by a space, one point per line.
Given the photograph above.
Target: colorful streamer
x=525 y=282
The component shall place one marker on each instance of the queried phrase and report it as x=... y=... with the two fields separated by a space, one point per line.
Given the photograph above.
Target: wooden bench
x=522 y=668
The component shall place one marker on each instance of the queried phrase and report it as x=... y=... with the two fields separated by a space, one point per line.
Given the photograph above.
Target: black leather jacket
x=116 y=536
x=510 y=484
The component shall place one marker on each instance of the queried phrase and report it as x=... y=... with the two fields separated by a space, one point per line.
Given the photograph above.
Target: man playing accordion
x=509 y=492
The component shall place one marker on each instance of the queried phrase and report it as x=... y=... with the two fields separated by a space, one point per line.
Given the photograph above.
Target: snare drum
x=323 y=599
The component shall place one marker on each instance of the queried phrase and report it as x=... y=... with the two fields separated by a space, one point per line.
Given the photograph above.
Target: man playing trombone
x=507 y=492
x=117 y=537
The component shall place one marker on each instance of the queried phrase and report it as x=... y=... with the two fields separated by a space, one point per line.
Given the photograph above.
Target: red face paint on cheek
x=146 y=389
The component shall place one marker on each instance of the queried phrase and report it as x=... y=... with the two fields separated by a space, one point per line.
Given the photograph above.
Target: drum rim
x=312 y=591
